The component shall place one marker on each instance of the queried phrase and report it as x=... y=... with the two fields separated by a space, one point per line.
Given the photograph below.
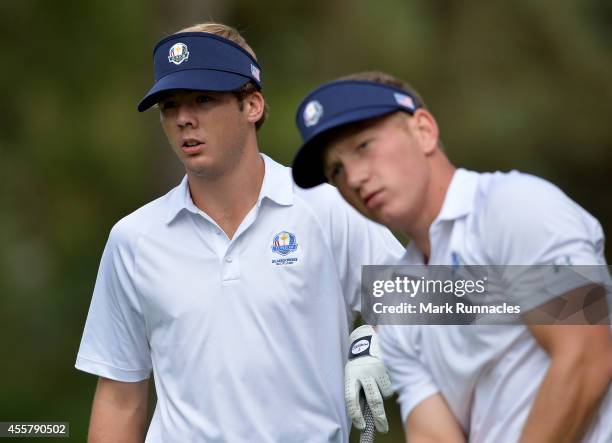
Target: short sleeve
x=114 y=343
x=531 y=226
x=400 y=349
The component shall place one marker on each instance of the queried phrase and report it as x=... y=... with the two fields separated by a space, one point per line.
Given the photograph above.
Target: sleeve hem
x=406 y=407
x=108 y=371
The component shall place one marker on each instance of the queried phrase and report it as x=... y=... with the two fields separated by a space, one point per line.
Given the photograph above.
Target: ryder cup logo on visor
x=404 y=100
x=284 y=243
x=178 y=53
x=312 y=113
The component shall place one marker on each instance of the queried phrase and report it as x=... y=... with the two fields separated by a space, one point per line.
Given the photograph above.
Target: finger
x=384 y=384
x=375 y=402
x=351 y=396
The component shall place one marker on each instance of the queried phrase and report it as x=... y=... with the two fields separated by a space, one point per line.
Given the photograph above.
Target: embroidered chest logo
x=283 y=244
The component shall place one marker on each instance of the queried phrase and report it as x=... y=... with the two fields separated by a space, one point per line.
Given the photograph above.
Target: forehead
x=345 y=136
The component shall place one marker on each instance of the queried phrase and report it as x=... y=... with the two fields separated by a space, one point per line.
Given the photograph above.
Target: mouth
x=192 y=146
x=373 y=200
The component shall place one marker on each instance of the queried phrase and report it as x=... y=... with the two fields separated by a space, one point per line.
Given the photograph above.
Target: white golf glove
x=366 y=370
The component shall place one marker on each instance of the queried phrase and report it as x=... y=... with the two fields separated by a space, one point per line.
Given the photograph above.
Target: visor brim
x=195 y=80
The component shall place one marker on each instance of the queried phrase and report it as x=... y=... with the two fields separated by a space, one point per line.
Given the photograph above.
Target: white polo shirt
x=247 y=337
x=490 y=374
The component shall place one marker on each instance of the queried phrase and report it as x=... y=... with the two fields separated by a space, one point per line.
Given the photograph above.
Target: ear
x=254 y=105
x=425 y=128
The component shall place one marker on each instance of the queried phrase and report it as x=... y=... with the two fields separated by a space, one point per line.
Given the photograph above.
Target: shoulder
x=348 y=229
x=509 y=191
x=144 y=219
x=323 y=197
x=325 y=201
x=506 y=199
x=529 y=219
x=334 y=214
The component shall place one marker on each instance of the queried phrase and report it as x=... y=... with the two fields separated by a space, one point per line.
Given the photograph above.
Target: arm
x=119 y=412
x=531 y=222
x=426 y=414
x=576 y=380
x=432 y=422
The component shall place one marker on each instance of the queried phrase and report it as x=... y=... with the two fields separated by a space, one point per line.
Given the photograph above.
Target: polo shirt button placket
x=231 y=267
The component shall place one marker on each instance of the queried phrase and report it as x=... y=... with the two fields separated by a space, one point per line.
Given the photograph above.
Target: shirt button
x=228 y=259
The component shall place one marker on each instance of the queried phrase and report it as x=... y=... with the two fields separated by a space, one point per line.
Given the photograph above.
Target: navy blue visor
x=337 y=104
x=202 y=62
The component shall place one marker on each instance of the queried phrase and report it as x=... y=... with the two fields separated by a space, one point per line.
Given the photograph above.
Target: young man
x=236 y=289
x=372 y=137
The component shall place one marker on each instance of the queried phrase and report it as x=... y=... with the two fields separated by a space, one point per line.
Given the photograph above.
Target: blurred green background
x=523 y=84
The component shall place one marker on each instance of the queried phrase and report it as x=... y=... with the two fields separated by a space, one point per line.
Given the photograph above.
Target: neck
x=227 y=199
x=442 y=172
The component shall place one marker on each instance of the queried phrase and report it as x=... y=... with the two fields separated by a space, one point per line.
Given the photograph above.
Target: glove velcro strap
x=360 y=347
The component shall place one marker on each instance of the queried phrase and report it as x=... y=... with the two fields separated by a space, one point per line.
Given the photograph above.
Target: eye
x=204 y=99
x=333 y=172
x=364 y=144
x=167 y=104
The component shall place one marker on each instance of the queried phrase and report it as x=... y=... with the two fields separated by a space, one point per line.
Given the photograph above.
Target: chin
x=389 y=219
x=376 y=216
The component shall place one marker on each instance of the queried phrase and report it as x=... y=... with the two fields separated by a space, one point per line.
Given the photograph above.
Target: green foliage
x=522 y=84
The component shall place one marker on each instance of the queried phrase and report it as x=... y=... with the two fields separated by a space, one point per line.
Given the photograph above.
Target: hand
x=366 y=370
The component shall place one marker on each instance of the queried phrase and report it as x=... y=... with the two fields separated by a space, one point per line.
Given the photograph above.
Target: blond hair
x=224 y=31
x=234 y=36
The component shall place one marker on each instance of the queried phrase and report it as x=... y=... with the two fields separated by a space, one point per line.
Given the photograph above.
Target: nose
x=186 y=115
x=357 y=173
